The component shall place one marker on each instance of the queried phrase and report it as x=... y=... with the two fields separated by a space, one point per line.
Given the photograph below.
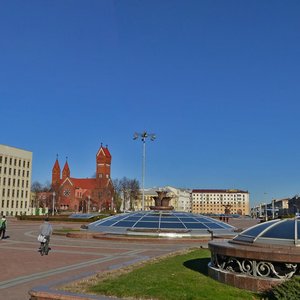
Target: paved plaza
x=23 y=268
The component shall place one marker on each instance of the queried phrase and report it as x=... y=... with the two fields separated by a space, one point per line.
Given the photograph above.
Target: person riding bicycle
x=46 y=230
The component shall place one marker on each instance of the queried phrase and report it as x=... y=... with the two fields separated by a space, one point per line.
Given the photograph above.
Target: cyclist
x=46 y=230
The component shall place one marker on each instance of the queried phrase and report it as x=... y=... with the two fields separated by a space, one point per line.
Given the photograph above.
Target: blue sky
x=217 y=81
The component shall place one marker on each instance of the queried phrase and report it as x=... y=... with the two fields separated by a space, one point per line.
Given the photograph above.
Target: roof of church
x=106 y=151
x=84 y=183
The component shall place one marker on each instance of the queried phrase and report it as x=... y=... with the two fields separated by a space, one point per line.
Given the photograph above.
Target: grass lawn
x=180 y=277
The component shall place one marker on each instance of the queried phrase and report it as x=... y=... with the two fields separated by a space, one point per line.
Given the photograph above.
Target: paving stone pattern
x=23 y=268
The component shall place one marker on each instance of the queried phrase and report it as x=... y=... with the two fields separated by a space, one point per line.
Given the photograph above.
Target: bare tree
x=40 y=191
x=36 y=188
x=134 y=187
x=117 y=194
x=47 y=187
x=127 y=190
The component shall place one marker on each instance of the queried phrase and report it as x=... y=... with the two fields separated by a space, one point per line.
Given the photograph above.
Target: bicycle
x=44 y=247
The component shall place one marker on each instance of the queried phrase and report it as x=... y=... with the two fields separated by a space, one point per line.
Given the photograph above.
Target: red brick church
x=84 y=194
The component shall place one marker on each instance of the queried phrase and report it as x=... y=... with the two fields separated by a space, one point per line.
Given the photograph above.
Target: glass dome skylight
x=283 y=232
x=163 y=222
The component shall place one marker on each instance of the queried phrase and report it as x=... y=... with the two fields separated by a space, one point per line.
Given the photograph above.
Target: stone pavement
x=243 y=222
x=24 y=269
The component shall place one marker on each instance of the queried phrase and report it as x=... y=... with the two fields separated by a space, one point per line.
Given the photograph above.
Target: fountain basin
x=161 y=207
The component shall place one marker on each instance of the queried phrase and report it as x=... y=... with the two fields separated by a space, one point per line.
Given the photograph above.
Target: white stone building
x=15 y=180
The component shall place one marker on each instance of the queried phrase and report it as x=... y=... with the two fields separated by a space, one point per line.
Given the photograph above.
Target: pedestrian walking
x=2 y=227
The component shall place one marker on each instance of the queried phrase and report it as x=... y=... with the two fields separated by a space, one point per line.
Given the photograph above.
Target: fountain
x=161 y=201
x=162 y=221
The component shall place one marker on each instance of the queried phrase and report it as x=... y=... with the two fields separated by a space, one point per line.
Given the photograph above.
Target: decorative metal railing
x=266 y=269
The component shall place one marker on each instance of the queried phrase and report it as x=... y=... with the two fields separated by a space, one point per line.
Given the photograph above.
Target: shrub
x=289 y=290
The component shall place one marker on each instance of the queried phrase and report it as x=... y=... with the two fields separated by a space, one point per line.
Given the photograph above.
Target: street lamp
x=144 y=135
x=260 y=210
x=89 y=197
x=266 y=212
x=266 y=209
x=53 y=201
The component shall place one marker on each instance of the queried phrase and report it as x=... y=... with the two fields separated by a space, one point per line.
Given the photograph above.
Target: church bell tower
x=56 y=173
x=103 y=163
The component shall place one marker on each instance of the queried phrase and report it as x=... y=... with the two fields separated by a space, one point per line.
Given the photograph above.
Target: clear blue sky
x=217 y=81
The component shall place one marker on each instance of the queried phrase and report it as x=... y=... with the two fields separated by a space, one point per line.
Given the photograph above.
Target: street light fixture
x=144 y=135
x=53 y=201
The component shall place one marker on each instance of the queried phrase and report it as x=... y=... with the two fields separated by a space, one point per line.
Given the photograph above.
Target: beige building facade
x=15 y=180
x=148 y=200
x=182 y=197
x=214 y=201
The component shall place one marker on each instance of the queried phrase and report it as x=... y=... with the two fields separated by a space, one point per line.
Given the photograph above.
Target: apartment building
x=214 y=201
x=275 y=208
x=15 y=180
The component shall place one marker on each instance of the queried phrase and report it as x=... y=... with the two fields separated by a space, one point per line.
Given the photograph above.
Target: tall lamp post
x=144 y=135
x=266 y=208
x=88 y=210
x=53 y=201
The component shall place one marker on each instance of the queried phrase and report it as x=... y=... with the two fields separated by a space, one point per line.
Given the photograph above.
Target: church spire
x=56 y=172
x=66 y=170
